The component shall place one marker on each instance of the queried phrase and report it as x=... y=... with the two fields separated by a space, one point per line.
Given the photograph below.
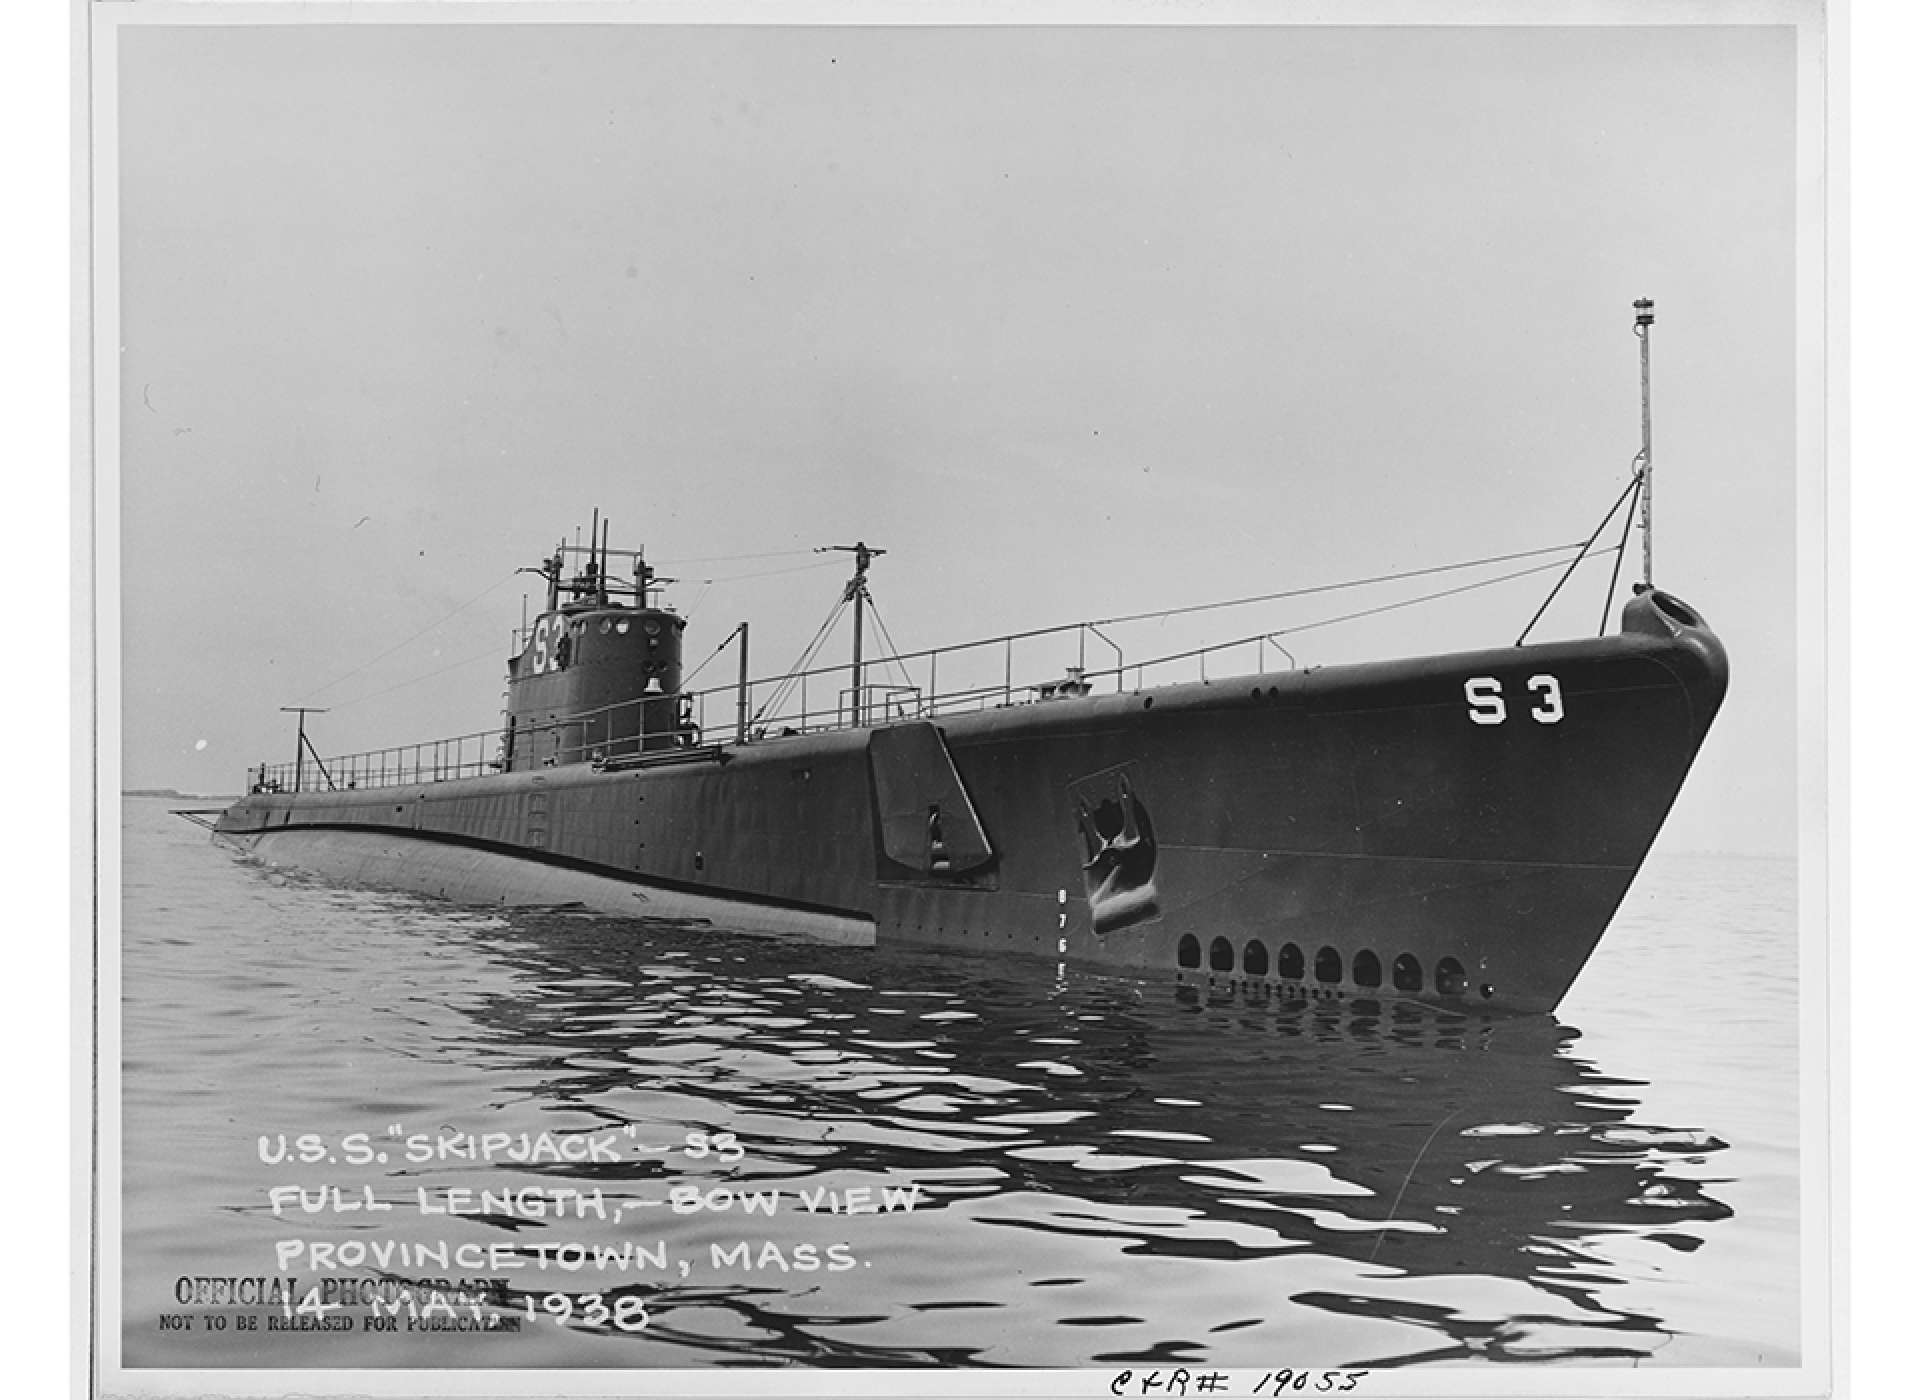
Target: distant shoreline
x=171 y=793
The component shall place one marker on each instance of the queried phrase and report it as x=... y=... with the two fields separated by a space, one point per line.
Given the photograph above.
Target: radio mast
x=1643 y=328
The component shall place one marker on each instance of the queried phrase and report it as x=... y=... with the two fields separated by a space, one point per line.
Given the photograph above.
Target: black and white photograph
x=1103 y=699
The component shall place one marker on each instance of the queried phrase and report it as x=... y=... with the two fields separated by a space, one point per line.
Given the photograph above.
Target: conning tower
x=597 y=675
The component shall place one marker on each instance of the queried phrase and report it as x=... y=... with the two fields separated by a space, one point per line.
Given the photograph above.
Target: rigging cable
x=893 y=656
x=706 y=587
x=727 y=642
x=1620 y=552
x=706 y=584
x=402 y=685
x=794 y=672
x=797 y=673
x=1324 y=587
x=1364 y=612
x=734 y=558
x=762 y=573
x=406 y=642
x=1426 y=597
x=1398 y=577
x=1632 y=487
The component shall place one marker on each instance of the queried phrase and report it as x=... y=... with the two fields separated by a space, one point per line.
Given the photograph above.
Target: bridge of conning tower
x=597 y=674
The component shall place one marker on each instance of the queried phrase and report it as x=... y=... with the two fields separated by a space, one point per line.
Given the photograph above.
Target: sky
x=1072 y=321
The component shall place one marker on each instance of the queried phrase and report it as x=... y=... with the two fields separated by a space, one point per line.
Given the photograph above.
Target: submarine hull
x=1454 y=830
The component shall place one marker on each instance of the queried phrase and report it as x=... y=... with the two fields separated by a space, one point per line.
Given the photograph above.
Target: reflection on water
x=1101 y=1172
x=1134 y=1122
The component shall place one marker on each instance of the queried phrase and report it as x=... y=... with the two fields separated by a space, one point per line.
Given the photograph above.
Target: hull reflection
x=1327 y=1167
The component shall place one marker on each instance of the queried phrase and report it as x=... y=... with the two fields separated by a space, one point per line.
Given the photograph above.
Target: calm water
x=1101 y=1173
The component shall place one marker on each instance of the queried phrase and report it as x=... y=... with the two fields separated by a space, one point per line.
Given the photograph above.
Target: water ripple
x=1103 y=1171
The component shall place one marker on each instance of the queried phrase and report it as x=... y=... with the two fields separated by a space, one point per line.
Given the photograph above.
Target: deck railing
x=1042 y=666
x=888 y=690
